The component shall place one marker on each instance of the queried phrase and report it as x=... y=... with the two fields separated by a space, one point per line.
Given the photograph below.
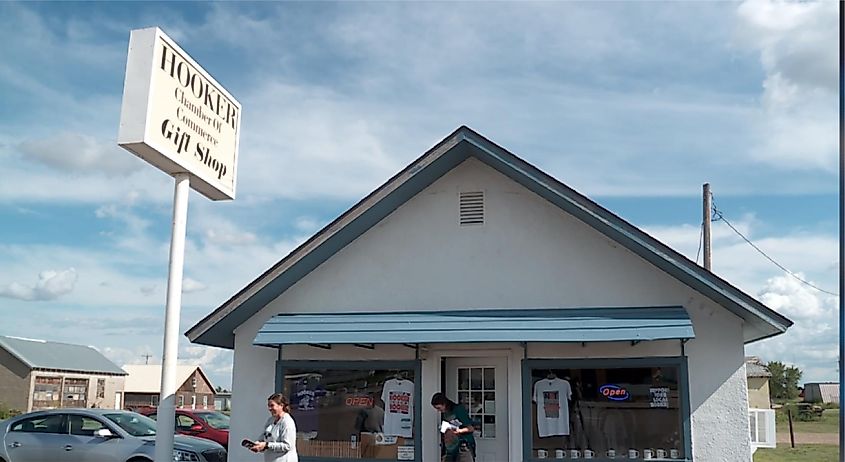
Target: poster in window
x=659 y=397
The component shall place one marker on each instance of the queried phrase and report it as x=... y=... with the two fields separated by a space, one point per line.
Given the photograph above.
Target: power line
x=720 y=216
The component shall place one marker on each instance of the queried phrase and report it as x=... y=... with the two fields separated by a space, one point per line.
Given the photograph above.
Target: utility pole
x=708 y=206
x=146 y=358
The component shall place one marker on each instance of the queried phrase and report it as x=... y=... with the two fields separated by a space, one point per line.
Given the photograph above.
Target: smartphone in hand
x=247 y=443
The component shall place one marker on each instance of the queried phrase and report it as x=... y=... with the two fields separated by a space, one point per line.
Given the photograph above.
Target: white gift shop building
x=565 y=331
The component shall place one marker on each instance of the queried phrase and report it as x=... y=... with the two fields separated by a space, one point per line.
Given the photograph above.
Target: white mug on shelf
x=633 y=454
x=611 y=453
x=648 y=454
x=574 y=454
x=674 y=454
x=589 y=454
x=560 y=453
x=660 y=453
x=542 y=453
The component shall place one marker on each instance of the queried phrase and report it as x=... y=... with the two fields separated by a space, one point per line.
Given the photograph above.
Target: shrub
x=6 y=412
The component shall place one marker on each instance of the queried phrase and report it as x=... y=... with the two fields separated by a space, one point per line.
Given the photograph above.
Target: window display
x=398 y=396
x=607 y=412
x=351 y=410
x=552 y=396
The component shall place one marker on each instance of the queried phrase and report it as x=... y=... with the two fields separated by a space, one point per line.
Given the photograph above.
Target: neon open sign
x=359 y=401
x=614 y=392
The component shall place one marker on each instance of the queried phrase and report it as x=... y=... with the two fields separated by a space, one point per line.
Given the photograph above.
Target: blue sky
x=633 y=104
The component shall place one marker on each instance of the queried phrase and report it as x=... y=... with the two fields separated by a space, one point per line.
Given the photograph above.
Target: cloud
x=338 y=107
x=81 y=154
x=686 y=238
x=224 y=233
x=110 y=325
x=811 y=343
x=307 y=224
x=215 y=362
x=742 y=265
x=142 y=354
x=190 y=285
x=799 y=54
x=132 y=228
x=50 y=286
x=798 y=301
x=322 y=146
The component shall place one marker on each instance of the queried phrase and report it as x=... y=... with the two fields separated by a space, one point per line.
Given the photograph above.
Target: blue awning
x=522 y=325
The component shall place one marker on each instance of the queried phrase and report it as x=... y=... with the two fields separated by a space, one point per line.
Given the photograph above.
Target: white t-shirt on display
x=398 y=397
x=552 y=397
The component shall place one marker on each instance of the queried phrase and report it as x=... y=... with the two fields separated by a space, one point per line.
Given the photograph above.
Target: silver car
x=94 y=435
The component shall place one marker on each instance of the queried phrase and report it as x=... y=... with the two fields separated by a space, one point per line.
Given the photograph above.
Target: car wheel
x=139 y=459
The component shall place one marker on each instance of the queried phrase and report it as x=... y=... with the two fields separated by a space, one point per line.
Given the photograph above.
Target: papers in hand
x=445 y=426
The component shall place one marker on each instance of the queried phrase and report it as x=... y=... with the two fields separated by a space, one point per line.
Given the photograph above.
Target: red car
x=211 y=425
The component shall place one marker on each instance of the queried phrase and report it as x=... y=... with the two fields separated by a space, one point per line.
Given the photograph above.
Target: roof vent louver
x=471 y=208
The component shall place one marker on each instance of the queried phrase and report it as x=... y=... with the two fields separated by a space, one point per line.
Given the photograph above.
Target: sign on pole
x=179 y=119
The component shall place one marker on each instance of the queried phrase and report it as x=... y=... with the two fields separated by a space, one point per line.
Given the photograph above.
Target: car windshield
x=134 y=424
x=216 y=420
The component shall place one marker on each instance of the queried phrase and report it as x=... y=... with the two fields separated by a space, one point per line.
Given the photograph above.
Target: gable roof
x=146 y=378
x=217 y=328
x=41 y=354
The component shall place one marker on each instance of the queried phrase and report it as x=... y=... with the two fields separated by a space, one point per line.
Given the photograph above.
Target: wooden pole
x=791 y=434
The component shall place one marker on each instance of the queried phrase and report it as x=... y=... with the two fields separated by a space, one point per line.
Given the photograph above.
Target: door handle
x=68 y=447
x=15 y=445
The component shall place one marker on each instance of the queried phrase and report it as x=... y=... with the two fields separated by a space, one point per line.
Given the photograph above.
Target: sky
x=634 y=104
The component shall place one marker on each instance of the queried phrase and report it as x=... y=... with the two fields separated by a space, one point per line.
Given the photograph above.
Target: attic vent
x=472 y=208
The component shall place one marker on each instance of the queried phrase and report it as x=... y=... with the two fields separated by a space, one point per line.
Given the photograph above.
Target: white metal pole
x=708 y=205
x=166 y=413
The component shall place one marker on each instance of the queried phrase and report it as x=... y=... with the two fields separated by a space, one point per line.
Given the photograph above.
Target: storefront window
x=616 y=412
x=353 y=410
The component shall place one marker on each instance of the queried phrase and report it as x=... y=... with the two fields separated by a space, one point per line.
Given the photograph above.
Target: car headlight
x=179 y=455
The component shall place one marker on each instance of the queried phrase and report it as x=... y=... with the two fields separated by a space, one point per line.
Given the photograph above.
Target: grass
x=801 y=453
x=829 y=423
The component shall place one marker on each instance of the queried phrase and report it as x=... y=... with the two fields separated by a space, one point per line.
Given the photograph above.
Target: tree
x=784 y=381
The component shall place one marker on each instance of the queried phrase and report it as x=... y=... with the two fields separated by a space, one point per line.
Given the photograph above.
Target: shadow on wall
x=716 y=354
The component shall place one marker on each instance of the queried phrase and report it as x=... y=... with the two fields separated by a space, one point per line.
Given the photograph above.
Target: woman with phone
x=278 y=441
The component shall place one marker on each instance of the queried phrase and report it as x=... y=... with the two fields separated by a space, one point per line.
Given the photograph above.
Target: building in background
x=223 y=401
x=758 y=383
x=821 y=392
x=37 y=374
x=143 y=387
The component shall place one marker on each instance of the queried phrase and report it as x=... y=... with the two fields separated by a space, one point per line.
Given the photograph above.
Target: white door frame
x=431 y=371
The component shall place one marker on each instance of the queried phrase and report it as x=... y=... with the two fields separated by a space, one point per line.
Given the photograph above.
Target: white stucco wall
x=528 y=254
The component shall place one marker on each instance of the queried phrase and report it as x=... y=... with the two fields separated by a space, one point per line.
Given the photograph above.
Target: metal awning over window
x=518 y=325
